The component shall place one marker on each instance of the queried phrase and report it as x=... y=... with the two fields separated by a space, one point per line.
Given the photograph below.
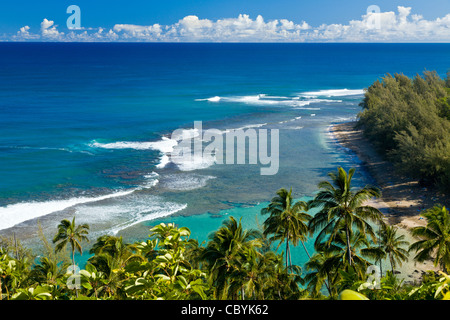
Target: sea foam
x=163 y=145
x=212 y=99
x=185 y=182
x=333 y=93
x=121 y=213
x=14 y=214
x=266 y=100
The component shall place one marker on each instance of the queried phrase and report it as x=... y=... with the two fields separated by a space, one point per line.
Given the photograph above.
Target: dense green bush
x=408 y=120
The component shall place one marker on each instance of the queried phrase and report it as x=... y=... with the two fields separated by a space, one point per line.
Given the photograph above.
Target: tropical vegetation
x=350 y=239
x=408 y=121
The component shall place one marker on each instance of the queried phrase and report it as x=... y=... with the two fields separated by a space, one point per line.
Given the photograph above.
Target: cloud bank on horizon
x=389 y=26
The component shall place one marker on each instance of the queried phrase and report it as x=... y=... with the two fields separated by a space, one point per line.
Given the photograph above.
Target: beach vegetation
x=236 y=263
x=343 y=210
x=434 y=238
x=408 y=121
x=287 y=222
x=393 y=245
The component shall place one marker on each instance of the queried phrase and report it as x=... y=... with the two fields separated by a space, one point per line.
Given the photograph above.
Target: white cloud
x=24 y=34
x=131 y=31
x=48 y=30
x=387 y=26
x=242 y=28
x=24 y=30
x=45 y=24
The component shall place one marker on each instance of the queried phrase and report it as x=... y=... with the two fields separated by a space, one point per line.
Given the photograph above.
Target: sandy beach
x=402 y=199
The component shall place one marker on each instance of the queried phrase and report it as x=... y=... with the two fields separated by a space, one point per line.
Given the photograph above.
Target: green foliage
x=408 y=120
x=393 y=245
x=37 y=293
x=434 y=238
x=238 y=263
x=287 y=221
x=342 y=208
x=343 y=227
x=14 y=248
x=433 y=287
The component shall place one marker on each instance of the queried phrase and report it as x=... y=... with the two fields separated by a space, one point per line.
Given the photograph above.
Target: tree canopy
x=408 y=120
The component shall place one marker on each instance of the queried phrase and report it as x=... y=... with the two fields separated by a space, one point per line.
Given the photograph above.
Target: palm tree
x=225 y=250
x=247 y=277
x=332 y=259
x=116 y=248
x=48 y=270
x=391 y=243
x=70 y=233
x=112 y=254
x=434 y=237
x=342 y=208
x=287 y=221
x=320 y=273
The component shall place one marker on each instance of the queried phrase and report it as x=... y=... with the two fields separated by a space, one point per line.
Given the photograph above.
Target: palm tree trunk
x=380 y=246
x=328 y=286
x=348 y=246
x=304 y=247
x=287 y=250
x=381 y=267
x=290 y=257
x=73 y=270
x=1 y=288
x=15 y=246
x=73 y=260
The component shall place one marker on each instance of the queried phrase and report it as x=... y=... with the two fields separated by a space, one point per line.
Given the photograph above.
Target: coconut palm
x=116 y=248
x=107 y=269
x=320 y=273
x=391 y=243
x=285 y=285
x=247 y=276
x=330 y=260
x=48 y=270
x=225 y=250
x=267 y=271
x=362 y=253
x=434 y=237
x=111 y=255
x=70 y=233
x=343 y=208
x=287 y=221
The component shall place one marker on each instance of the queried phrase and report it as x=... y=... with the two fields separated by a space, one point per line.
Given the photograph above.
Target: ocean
x=85 y=128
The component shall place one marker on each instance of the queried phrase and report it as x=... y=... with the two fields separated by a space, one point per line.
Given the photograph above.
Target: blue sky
x=107 y=14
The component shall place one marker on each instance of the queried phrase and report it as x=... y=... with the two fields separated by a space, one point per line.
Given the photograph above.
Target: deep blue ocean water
x=85 y=128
